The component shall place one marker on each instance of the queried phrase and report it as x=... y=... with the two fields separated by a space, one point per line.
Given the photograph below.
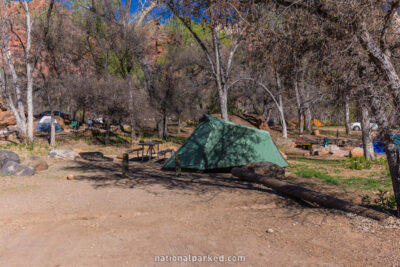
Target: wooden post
x=178 y=164
x=125 y=165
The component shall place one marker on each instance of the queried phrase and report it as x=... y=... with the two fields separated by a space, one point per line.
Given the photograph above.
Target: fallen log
x=308 y=195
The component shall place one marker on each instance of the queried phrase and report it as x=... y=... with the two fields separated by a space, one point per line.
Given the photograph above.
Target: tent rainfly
x=219 y=144
x=44 y=125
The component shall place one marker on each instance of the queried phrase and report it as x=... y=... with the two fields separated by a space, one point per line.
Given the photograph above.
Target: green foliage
x=26 y=148
x=384 y=201
x=365 y=200
x=318 y=161
x=381 y=161
x=177 y=27
x=322 y=173
x=306 y=172
x=366 y=183
x=337 y=170
x=358 y=163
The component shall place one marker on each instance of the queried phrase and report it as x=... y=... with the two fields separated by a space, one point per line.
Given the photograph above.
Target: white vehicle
x=356 y=126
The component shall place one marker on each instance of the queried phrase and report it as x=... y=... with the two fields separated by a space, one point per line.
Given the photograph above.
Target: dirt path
x=101 y=219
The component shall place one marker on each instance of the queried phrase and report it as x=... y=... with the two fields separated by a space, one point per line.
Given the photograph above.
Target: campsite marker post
x=178 y=164
x=125 y=165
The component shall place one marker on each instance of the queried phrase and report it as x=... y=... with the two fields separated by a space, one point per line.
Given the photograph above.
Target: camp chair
x=74 y=125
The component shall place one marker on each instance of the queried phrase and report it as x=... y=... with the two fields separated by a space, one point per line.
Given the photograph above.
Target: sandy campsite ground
x=101 y=219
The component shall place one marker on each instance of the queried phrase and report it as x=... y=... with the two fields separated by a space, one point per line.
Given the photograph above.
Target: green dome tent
x=218 y=144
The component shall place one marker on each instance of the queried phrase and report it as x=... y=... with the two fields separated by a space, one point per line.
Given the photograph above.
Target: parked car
x=96 y=121
x=48 y=113
x=356 y=126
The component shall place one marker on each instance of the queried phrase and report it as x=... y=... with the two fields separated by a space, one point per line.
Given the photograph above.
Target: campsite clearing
x=101 y=219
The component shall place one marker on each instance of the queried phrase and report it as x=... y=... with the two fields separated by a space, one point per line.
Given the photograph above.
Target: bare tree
x=30 y=60
x=220 y=20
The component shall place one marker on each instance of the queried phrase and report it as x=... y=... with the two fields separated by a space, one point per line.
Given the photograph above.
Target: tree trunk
x=307 y=194
x=280 y=108
x=179 y=123
x=347 y=114
x=303 y=97
x=392 y=152
x=268 y=116
x=299 y=107
x=369 y=153
x=165 y=126
x=83 y=116
x=219 y=76
x=108 y=126
x=52 y=130
x=307 y=118
x=160 y=127
x=383 y=62
x=29 y=69
x=29 y=103
x=131 y=111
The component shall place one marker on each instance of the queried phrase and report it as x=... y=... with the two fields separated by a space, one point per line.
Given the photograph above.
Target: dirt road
x=101 y=219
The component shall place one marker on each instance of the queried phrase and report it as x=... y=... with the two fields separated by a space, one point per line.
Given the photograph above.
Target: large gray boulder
x=266 y=168
x=6 y=156
x=67 y=154
x=13 y=168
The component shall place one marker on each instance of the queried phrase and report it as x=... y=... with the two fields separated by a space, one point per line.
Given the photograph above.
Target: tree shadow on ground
x=145 y=175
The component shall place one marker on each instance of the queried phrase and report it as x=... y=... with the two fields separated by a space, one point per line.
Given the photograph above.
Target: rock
x=36 y=163
x=13 y=128
x=7 y=118
x=70 y=177
x=94 y=156
x=333 y=148
x=258 y=121
x=319 y=150
x=340 y=153
x=357 y=152
x=284 y=142
x=6 y=156
x=283 y=155
x=13 y=168
x=67 y=154
x=270 y=231
x=266 y=168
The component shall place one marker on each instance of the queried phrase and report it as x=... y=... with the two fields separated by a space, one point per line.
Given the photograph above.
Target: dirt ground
x=102 y=219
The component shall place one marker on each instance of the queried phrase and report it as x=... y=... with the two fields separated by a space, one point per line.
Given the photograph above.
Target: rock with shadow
x=13 y=168
x=66 y=154
x=37 y=163
x=94 y=156
x=7 y=156
x=266 y=169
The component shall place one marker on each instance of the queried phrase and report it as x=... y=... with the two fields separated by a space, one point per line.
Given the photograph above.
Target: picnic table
x=150 y=148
